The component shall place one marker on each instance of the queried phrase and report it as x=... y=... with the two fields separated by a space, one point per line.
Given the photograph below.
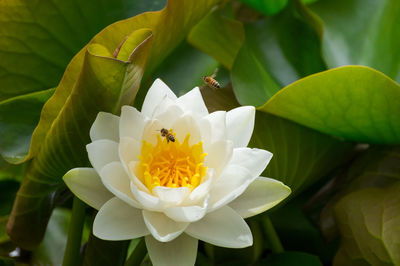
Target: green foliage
x=102 y=252
x=39 y=38
x=93 y=82
x=361 y=32
x=369 y=222
x=212 y=34
x=353 y=102
x=18 y=118
x=301 y=155
x=277 y=51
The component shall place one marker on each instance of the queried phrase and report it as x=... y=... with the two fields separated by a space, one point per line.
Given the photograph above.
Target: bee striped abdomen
x=211 y=82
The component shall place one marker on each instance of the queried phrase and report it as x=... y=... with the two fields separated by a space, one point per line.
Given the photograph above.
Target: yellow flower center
x=172 y=164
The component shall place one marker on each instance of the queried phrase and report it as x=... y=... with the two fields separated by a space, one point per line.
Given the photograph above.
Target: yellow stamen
x=172 y=164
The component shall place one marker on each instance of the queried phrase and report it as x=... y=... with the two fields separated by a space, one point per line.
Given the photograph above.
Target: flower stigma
x=172 y=164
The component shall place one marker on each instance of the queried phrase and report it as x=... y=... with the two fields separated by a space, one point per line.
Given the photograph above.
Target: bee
x=211 y=82
x=167 y=134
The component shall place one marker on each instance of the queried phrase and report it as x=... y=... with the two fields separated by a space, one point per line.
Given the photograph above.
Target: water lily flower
x=176 y=174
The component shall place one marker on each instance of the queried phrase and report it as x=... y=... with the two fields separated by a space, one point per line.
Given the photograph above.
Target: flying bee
x=167 y=134
x=211 y=82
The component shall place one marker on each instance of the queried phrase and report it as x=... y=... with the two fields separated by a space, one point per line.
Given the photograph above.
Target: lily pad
x=353 y=102
x=277 y=51
x=361 y=32
x=18 y=118
x=369 y=222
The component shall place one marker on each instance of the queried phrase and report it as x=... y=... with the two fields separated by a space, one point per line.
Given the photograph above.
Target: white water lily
x=199 y=187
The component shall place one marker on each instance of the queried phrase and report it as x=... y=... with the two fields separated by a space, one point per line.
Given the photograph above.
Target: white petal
x=187 y=213
x=232 y=183
x=167 y=111
x=132 y=123
x=213 y=127
x=254 y=160
x=129 y=149
x=117 y=181
x=240 y=125
x=193 y=101
x=157 y=92
x=102 y=152
x=182 y=251
x=151 y=130
x=86 y=184
x=148 y=201
x=161 y=227
x=184 y=125
x=105 y=126
x=261 y=195
x=224 y=228
x=218 y=155
x=171 y=196
x=117 y=220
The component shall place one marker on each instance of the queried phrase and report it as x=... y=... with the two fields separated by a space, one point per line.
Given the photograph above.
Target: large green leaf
x=10 y=171
x=218 y=36
x=94 y=81
x=38 y=38
x=378 y=166
x=18 y=118
x=369 y=222
x=277 y=51
x=301 y=155
x=353 y=102
x=362 y=32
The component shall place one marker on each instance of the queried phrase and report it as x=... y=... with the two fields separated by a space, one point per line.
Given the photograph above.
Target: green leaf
x=18 y=118
x=378 y=166
x=218 y=36
x=8 y=189
x=290 y=258
x=92 y=82
x=184 y=68
x=3 y=234
x=294 y=235
x=267 y=7
x=105 y=253
x=353 y=102
x=369 y=222
x=39 y=38
x=277 y=51
x=51 y=250
x=361 y=32
x=11 y=171
x=301 y=155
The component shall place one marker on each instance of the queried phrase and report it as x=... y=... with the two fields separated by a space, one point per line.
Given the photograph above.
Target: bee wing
x=214 y=74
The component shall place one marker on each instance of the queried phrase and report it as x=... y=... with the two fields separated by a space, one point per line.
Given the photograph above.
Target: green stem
x=72 y=251
x=138 y=254
x=272 y=236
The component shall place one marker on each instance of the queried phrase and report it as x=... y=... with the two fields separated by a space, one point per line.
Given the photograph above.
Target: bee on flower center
x=211 y=82
x=167 y=134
